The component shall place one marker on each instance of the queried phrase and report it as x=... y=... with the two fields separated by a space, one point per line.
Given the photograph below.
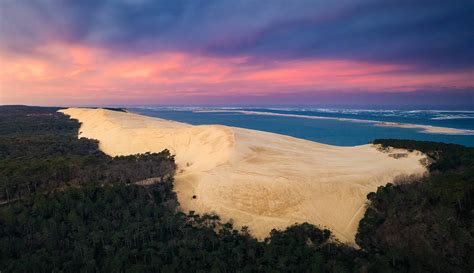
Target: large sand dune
x=258 y=179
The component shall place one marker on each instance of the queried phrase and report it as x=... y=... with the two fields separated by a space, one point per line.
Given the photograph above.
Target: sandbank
x=423 y=128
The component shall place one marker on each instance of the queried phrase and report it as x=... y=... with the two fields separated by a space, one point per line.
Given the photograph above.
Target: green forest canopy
x=68 y=207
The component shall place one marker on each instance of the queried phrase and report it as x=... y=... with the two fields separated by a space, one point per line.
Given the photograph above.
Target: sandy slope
x=258 y=179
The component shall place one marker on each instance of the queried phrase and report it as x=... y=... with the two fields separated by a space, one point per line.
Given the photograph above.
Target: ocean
x=335 y=126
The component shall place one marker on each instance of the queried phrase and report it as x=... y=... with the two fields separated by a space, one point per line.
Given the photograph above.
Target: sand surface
x=258 y=179
x=428 y=128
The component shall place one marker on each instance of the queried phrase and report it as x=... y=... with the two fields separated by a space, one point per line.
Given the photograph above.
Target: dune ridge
x=258 y=179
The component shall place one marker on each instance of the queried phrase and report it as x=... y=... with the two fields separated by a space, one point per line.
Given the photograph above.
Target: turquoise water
x=321 y=125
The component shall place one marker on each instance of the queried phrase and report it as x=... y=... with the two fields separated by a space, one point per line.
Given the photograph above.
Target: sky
x=144 y=52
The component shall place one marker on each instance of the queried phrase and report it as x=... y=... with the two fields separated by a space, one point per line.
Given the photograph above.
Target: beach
x=258 y=179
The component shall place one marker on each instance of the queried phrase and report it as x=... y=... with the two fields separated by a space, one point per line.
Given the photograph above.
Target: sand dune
x=258 y=179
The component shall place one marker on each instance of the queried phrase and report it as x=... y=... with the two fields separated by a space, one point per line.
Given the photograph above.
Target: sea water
x=323 y=124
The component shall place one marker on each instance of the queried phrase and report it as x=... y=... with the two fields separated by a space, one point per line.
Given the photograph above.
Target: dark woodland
x=68 y=207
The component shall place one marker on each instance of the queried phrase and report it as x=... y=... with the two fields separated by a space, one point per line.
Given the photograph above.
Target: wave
x=448 y=117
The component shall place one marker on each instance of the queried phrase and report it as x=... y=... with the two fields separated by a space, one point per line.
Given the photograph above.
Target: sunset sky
x=126 y=52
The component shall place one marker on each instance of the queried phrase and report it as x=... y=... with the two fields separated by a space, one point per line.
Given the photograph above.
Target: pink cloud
x=75 y=74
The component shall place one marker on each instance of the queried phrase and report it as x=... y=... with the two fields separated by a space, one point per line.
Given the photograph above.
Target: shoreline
x=258 y=179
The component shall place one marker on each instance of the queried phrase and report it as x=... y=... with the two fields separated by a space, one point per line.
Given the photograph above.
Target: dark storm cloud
x=437 y=35
x=427 y=33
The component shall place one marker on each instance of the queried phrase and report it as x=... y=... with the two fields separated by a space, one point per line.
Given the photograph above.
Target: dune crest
x=196 y=147
x=260 y=180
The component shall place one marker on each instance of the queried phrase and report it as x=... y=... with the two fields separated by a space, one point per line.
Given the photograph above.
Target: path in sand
x=258 y=179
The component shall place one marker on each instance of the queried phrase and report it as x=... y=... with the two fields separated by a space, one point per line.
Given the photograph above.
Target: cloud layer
x=73 y=51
